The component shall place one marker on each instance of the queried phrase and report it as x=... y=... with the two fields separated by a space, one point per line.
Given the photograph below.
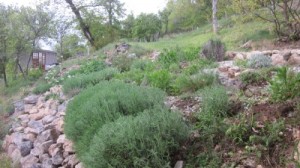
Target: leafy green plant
x=92 y=66
x=147 y=140
x=240 y=131
x=259 y=61
x=252 y=77
x=79 y=82
x=102 y=104
x=122 y=63
x=285 y=85
x=42 y=88
x=160 y=79
x=169 y=56
x=35 y=73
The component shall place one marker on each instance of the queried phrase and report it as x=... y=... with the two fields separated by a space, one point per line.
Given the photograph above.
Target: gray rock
x=48 y=119
x=179 y=164
x=32 y=99
x=37 y=165
x=19 y=105
x=28 y=161
x=36 y=125
x=47 y=163
x=25 y=148
x=57 y=159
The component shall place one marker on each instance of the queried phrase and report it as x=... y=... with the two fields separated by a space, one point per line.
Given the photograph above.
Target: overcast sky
x=136 y=6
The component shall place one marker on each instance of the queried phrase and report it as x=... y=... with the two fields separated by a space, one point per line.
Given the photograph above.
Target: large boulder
x=32 y=99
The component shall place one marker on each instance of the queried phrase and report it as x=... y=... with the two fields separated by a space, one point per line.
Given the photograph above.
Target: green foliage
x=184 y=83
x=132 y=76
x=252 y=77
x=52 y=76
x=168 y=57
x=42 y=88
x=198 y=65
x=104 y=103
x=92 y=66
x=160 y=79
x=259 y=61
x=122 y=63
x=241 y=63
x=142 y=65
x=146 y=26
x=147 y=140
x=285 y=85
x=215 y=104
x=214 y=50
x=73 y=85
x=35 y=73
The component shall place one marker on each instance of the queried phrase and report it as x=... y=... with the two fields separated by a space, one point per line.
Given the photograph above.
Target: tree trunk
x=167 y=27
x=85 y=28
x=4 y=75
x=214 y=16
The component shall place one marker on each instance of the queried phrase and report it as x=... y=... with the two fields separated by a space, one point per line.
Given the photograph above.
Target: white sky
x=136 y=6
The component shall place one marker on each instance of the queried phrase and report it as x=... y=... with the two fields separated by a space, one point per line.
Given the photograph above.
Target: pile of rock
x=284 y=57
x=36 y=138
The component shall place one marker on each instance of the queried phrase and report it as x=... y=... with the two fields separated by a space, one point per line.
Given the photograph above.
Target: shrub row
x=74 y=84
x=104 y=137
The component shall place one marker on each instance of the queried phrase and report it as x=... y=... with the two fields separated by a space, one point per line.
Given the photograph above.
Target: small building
x=44 y=58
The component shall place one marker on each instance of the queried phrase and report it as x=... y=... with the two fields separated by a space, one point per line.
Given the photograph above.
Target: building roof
x=41 y=50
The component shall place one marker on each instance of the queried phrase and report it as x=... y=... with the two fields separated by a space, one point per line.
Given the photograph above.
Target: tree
x=146 y=26
x=39 y=23
x=164 y=17
x=127 y=26
x=62 y=28
x=214 y=16
x=84 y=27
x=72 y=45
x=4 y=38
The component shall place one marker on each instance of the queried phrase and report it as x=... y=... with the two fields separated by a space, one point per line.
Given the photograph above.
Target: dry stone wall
x=37 y=139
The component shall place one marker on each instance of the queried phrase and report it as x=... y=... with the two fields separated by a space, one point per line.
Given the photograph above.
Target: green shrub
x=132 y=76
x=147 y=140
x=215 y=105
x=35 y=73
x=168 y=57
x=259 y=61
x=214 y=50
x=142 y=65
x=105 y=103
x=160 y=79
x=42 y=88
x=285 y=85
x=252 y=77
x=198 y=65
x=92 y=66
x=122 y=63
x=193 y=83
x=191 y=54
x=79 y=82
x=138 y=50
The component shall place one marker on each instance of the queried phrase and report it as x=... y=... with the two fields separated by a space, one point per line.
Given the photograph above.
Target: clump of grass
x=259 y=61
x=42 y=88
